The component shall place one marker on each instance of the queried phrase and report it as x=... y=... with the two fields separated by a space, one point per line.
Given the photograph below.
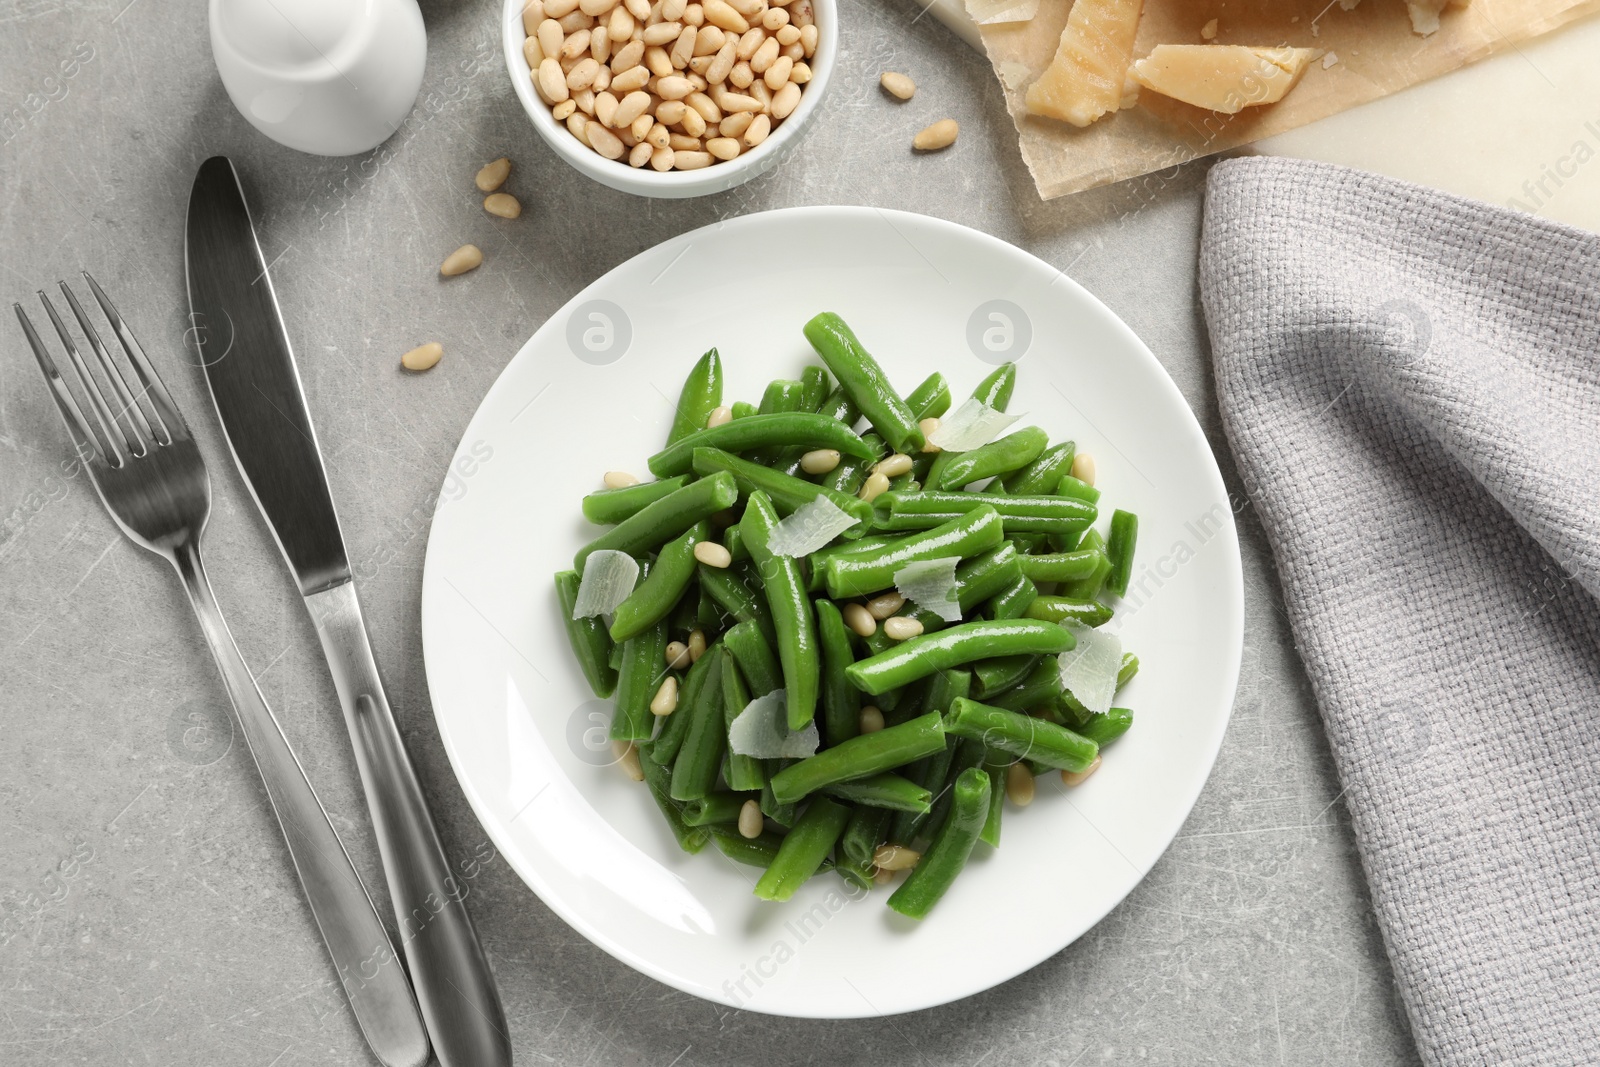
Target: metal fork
x=151 y=477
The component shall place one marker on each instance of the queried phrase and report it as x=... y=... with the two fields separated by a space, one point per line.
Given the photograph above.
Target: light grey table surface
x=147 y=910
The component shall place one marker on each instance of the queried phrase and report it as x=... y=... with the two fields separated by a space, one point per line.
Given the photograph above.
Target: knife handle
x=367 y=964
x=453 y=983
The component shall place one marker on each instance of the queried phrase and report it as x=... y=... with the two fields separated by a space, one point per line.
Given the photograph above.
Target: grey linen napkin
x=1411 y=386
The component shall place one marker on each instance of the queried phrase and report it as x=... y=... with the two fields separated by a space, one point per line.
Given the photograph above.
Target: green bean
x=930 y=399
x=1013 y=601
x=801 y=428
x=743 y=773
x=727 y=586
x=733 y=541
x=1043 y=475
x=757 y=851
x=1020 y=735
x=643 y=668
x=1011 y=452
x=995 y=390
x=858 y=875
x=996 y=770
x=991 y=676
x=964 y=754
x=782 y=394
x=918 y=657
x=863 y=379
x=675 y=727
x=868 y=543
x=713 y=808
x=885 y=790
x=694 y=771
x=701 y=394
x=791 y=613
x=932 y=772
x=869 y=572
x=1119 y=548
x=1041 y=686
x=1060 y=566
x=839 y=407
x=662 y=520
x=654 y=598
x=1074 y=489
x=803 y=849
x=657 y=779
x=864 y=833
x=607 y=507
x=943 y=861
x=1065 y=609
x=981 y=577
x=850 y=474
x=841 y=701
x=786 y=492
x=591 y=645
x=1039 y=514
x=1129 y=668
x=814 y=387
x=1088 y=587
x=742 y=409
x=859 y=757
x=781 y=812
x=753 y=653
x=1105 y=728
x=708 y=614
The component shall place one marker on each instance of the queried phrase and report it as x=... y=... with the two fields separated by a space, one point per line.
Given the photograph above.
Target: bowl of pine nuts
x=670 y=98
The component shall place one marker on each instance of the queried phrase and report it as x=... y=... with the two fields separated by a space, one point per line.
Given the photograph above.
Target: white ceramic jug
x=329 y=77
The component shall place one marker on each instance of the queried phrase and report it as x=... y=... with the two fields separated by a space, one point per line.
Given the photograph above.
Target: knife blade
x=250 y=368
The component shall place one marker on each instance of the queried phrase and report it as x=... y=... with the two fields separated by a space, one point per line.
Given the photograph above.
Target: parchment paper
x=1376 y=54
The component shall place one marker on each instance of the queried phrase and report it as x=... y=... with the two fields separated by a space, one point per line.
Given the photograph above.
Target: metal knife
x=250 y=368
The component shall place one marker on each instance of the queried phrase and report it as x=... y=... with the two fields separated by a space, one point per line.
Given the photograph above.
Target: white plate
x=593 y=391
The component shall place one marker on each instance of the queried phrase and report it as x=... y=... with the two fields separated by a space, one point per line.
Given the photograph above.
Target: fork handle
x=454 y=984
x=369 y=968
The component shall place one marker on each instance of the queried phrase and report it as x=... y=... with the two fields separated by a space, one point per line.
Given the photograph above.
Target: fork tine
x=111 y=432
x=138 y=428
x=161 y=401
x=71 y=414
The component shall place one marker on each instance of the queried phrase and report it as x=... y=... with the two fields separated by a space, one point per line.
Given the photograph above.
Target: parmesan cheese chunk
x=1085 y=79
x=1225 y=78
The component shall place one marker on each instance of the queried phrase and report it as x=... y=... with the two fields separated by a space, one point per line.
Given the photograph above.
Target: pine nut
x=665 y=702
x=808 y=39
x=671 y=112
x=723 y=147
x=764 y=56
x=894 y=466
x=777 y=75
x=1083 y=468
x=553 y=80
x=749 y=8
x=895 y=858
x=762 y=95
x=619 y=480
x=661 y=33
x=735 y=125
x=820 y=461
x=719 y=13
x=683 y=49
x=493 y=175
x=691 y=160
x=697 y=645
x=884 y=605
x=875 y=484
x=718 y=416
x=582 y=76
x=672 y=10
x=639 y=154
x=741 y=76
x=639 y=9
x=578 y=126
x=785 y=100
x=627 y=57
x=550 y=37
x=901 y=627
x=928 y=426
x=801 y=74
x=576 y=45
x=760 y=126
x=859 y=619
x=604 y=141
x=713 y=555
x=692 y=123
x=881 y=876
x=532 y=15
x=600 y=44
x=1019 y=784
x=503 y=205
x=774 y=20
x=677 y=656
x=463 y=259
x=674 y=87
x=1073 y=778
x=640 y=128
x=585 y=101
x=661 y=159
x=423 y=357
x=627 y=754
x=564 y=110
x=630 y=80
x=605 y=107
x=749 y=42
x=709 y=40
x=722 y=65
x=706 y=106
x=750 y=821
x=596 y=8
x=656 y=58
x=694 y=15
x=554 y=9
x=574 y=22
x=632 y=106
x=897 y=85
x=620 y=25
x=788 y=35
x=871 y=719
x=533 y=55
x=682 y=142
x=941 y=134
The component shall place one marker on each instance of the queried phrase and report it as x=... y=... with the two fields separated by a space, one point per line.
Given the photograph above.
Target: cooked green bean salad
x=843 y=625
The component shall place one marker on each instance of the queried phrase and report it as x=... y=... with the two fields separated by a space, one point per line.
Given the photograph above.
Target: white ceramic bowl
x=673 y=184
